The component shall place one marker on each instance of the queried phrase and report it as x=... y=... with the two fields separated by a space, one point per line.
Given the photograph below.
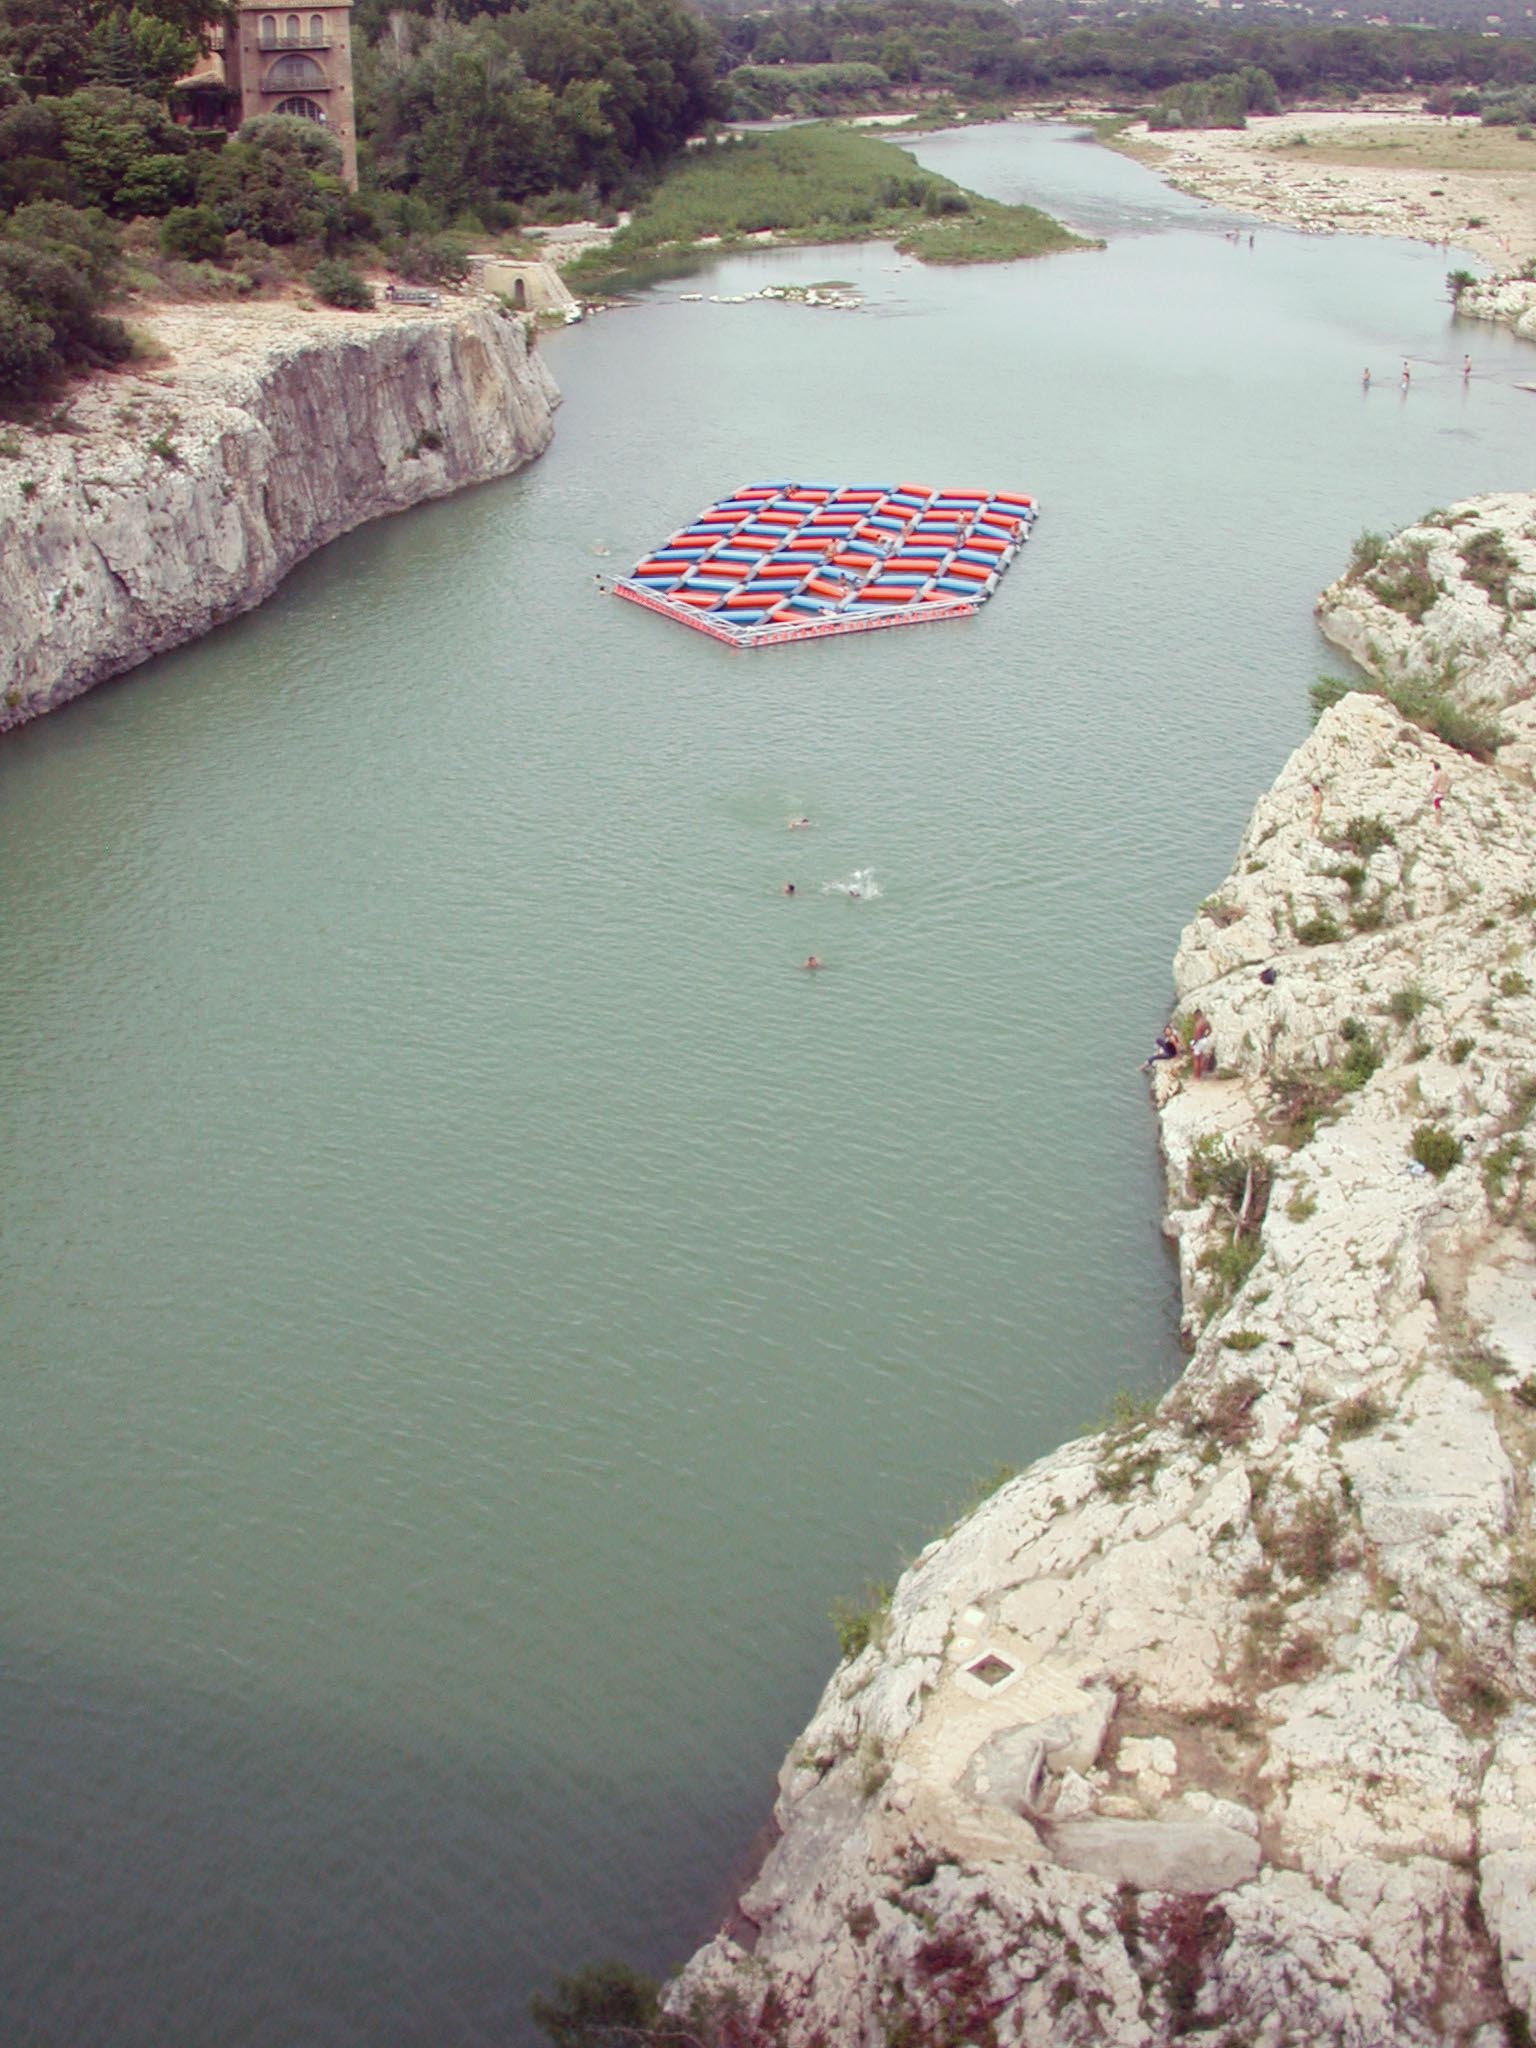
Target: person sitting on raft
x=1169 y=1046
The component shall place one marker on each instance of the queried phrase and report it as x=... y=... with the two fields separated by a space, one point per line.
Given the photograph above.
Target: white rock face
x=1507 y=301
x=1224 y=1721
x=182 y=496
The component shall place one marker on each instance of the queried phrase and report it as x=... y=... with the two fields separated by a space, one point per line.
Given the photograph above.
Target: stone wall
x=181 y=492
x=1223 y=1721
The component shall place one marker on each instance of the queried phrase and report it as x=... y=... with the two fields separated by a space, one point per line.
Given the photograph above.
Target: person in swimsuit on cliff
x=1168 y=1047
x=1202 y=1046
x=1439 y=787
x=1317 y=810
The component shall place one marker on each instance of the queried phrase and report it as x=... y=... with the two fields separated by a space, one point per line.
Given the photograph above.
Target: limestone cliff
x=1223 y=1722
x=171 y=497
x=1506 y=301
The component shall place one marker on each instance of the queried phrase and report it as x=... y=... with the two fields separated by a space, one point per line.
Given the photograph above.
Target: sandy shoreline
x=1266 y=171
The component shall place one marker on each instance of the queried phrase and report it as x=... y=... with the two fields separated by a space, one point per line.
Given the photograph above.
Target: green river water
x=469 y=1304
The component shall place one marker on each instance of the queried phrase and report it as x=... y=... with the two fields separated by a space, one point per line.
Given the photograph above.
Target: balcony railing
x=304 y=41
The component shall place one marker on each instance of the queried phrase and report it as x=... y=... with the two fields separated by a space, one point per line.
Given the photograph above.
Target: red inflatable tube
x=971 y=571
x=886 y=593
x=1013 y=498
x=735 y=570
x=929 y=564
x=823 y=588
x=748 y=545
x=988 y=546
x=849 y=560
x=705 y=599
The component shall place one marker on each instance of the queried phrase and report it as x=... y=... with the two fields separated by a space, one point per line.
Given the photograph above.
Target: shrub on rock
x=338 y=284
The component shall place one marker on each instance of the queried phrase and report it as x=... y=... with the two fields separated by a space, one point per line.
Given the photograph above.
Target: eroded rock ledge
x=182 y=494
x=1224 y=1721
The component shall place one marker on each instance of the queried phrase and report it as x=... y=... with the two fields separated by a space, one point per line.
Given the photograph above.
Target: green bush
x=1436 y=1149
x=1322 y=929
x=1362 y=1055
x=858 y=1626
x=57 y=267
x=193 y=232
x=1366 y=835
x=338 y=284
x=1357 y=1417
x=430 y=259
x=1487 y=562
x=1403 y=581
x=605 y=2002
x=1407 y=1003
x=1365 y=552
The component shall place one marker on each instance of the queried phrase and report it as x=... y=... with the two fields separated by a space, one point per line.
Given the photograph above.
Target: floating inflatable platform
x=779 y=562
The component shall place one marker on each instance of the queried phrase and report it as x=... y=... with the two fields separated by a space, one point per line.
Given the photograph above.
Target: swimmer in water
x=854 y=895
x=812 y=962
x=788 y=889
x=798 y=824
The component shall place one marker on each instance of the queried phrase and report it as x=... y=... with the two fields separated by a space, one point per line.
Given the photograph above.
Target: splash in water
x=859 y=885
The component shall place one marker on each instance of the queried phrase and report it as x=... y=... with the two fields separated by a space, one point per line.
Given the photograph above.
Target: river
x=470 y=1303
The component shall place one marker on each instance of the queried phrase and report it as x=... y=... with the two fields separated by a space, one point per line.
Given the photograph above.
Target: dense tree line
x=464 y=110
x=501 y=100
x=992 y=51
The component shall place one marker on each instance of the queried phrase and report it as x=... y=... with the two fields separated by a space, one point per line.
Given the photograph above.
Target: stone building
x=276 y=62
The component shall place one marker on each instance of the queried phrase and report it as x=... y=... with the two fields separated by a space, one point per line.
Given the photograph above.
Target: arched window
x=316 y=29
x=291 y=29
x=268 y=29
x=291 y=74
x=305 y=110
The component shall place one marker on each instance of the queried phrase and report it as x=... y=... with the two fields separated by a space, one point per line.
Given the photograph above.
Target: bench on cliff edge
x=411 y=295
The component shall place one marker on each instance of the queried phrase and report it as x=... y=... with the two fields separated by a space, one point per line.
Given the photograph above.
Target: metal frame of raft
x=787 y=561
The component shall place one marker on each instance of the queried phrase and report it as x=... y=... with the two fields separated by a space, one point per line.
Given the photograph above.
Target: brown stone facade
x=282 y=61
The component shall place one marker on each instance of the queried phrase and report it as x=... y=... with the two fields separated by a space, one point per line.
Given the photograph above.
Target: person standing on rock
x=1202 y=1046
x=1317 y=810
x=1439 y=787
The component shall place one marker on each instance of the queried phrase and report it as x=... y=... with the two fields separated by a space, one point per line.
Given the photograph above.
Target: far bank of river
x=475 y=1305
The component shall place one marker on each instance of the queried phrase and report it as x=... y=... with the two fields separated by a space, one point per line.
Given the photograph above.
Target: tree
x=110 y=140
x=899 y=59
x=598 y=2007
x=141 y=51
x=56 y=269
x=47 y=43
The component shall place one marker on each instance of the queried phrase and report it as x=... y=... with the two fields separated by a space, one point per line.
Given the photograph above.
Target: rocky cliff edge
x=1222 y=1722
x=173 y=495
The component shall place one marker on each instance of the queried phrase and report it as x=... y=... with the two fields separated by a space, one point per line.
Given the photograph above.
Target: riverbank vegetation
x=822 y=185
x=106 y=190
x=817 y=60
x=477 y=116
